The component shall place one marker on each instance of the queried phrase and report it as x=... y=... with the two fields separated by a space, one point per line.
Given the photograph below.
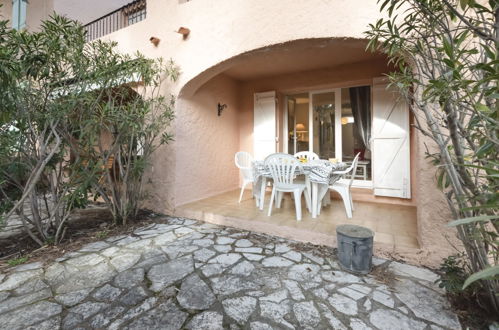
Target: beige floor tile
x=384 y=238
x=371 y=224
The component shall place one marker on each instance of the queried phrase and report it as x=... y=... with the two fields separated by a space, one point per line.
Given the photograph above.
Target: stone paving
x=183 y=274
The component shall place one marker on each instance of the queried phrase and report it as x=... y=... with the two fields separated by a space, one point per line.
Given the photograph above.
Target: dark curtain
x=360 y=100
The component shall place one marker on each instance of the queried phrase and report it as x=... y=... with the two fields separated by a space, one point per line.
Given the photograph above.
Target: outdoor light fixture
x=155 y=41
x=221 y=108
x=183 y=31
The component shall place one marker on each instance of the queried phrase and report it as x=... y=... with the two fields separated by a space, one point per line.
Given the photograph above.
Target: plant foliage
x=78 y=119
x=447 y=55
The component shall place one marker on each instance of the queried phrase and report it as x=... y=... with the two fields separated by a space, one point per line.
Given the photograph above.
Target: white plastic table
x=320 y=174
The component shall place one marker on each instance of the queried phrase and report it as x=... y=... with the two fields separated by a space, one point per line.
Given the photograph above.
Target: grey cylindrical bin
x=355 y=248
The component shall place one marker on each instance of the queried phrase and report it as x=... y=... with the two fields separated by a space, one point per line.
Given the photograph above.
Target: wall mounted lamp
x=221 y=108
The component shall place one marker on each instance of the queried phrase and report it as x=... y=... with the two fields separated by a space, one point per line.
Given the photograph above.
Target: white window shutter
x=19 y=14
x=264 y=131
x=15 y=14
x=390 y=142
x=22 y=14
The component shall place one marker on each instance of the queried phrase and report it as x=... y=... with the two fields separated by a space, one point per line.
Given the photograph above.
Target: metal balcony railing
x=129 y=14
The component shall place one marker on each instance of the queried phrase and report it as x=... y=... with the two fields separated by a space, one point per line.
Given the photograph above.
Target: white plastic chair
x=342 y=186
x=308 y=155
x=244 y=161
x=282 y=168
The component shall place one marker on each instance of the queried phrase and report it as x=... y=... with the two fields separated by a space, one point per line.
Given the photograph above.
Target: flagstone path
x=183 y=274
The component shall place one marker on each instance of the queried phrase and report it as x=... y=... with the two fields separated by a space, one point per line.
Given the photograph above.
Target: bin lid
x=354 y=231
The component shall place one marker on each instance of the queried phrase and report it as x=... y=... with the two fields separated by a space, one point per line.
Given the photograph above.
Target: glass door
x=325 y=135
x=298 y=123
x=356 y=131
x=335 y=124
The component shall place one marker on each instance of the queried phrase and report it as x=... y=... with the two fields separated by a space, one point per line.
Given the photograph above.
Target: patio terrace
x=395 y=226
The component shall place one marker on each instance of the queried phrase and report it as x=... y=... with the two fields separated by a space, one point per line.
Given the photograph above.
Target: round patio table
x=319 y=173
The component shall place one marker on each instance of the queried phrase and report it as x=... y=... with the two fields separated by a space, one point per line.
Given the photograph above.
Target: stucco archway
x=282 y=58
x=206 y=143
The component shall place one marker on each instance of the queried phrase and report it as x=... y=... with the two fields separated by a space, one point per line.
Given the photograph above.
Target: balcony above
x=120 y=18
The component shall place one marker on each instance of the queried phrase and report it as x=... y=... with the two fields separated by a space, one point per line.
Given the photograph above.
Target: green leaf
x=485 y=148
x=447 y=47
x=463 y=3
x=464 y=221
x=482 y=107
x=481 y=207
x=481 y=275
x=384 y=4
x=442 y=180
x=488 y=51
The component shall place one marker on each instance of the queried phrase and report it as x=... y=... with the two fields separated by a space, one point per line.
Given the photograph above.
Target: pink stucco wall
x=223 y=29
x=433 y=213
x=205 y=142
x=5 y=9
x=38 y=11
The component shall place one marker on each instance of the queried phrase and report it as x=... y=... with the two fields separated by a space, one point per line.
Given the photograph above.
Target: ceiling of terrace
x=298 y=56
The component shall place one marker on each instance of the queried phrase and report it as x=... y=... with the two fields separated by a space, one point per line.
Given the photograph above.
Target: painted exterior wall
x=6 y=9
x=36 y=12
x=206 y=143
x=224 y=33
x=216 y=41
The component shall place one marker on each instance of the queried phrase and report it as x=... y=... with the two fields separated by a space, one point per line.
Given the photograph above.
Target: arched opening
x=320 y=87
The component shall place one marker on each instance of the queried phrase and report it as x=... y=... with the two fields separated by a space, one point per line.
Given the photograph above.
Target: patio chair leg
x=351 y=201
x=346 y=202
x=262 y=193
x=308 y=191
x=308 y=201
x=297 y=195
x=271 y=202
x=321 y=198
x=327 y=199
x=279 y=196
x=242 y=191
